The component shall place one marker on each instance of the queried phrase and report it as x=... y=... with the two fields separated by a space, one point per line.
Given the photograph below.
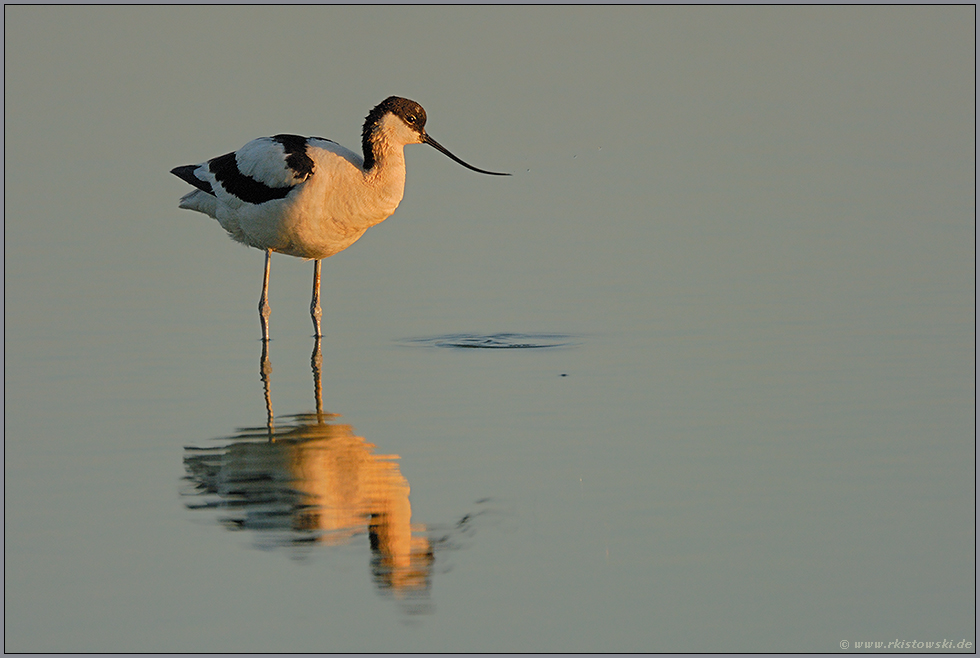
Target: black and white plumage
x=307 y=196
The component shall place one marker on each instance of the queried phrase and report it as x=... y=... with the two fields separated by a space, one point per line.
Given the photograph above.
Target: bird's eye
x=411 y=118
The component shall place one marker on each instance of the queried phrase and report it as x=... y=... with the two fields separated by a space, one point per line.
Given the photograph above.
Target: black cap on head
x=412 y=114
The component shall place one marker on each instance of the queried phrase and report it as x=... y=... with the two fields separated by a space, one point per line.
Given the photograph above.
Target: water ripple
x=502 y=341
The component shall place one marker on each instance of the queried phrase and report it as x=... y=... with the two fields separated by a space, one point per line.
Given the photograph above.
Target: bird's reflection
x=312 y=480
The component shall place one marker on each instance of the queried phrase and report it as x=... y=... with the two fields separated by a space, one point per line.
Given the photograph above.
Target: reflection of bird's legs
x=315 y=312
x=264 y=308
x=265 y=373
x=316 y=362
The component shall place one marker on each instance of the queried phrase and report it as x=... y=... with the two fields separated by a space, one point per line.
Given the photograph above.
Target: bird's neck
x=383 y=155
x=387 y=173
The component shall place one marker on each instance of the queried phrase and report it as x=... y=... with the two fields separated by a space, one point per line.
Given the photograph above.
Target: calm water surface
x=699 y=376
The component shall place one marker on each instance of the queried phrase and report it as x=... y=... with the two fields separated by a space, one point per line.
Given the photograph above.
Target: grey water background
x=753 y=227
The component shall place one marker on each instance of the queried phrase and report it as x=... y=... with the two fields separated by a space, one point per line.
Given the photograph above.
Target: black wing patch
x=186 y=174
x=246 y=188
x=296 y=157
x=225 y=171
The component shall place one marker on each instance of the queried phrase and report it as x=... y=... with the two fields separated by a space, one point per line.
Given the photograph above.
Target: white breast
x=323 y=215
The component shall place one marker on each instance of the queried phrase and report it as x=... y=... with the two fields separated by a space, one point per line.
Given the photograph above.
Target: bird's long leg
x=265 y=374
x=316 y=362
x=315 y=311
x=264 y=309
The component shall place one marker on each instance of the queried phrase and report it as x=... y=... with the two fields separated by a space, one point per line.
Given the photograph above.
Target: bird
x=310 y=197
